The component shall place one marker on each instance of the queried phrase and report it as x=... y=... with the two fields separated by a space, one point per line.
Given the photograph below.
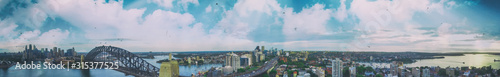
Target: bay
x=184 y=70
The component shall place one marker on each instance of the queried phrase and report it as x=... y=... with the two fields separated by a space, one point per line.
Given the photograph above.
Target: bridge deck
x=129 y=63
x=130 y=73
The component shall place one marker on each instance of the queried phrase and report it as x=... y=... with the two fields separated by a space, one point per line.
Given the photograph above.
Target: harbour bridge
x=129 y=63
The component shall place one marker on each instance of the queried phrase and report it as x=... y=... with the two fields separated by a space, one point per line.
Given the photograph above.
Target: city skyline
x=192 y=25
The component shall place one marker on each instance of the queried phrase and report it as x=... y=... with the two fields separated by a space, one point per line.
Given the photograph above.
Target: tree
x=345 y=72
x=273 y=72
x=265 y=75
x=498 y=72
x=359 y=75
x=281 y=62
x=442 y=72
x=241 y=70
x=378 y=75
x=360 y=69
x=369 y=68
x=481 y=70
x=290 y=72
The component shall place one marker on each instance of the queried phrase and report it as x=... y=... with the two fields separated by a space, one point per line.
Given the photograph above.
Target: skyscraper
x=25 y=56
x=233 y=60
x=30 y=52
x=337 y=68
x=70 y=52
x=307 y=53
x=426 y=72
x=54 y=52
x=249 y=56
x=352 y=71
x=255 y=55
x=415 y=72
x=170 y=56
x=262 y=48
x=278 y=52
x=61 y=52
x=74 y=51
x=244 y=60
x=262 y=57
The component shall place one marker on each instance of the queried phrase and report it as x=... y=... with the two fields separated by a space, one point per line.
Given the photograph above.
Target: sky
x=235 y=25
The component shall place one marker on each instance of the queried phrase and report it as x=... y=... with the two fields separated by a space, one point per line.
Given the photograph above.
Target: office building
x=450 y=72
x=169 y=69
x=249 y=56
x=233 y=60
x=170 y=56
x=426 y=72
x=337 y=67
x=255 y=55
x=244 y=60
x=70 y=52
x=352 y=71
x=262 y=48
x=319 y=72
x=415 y=72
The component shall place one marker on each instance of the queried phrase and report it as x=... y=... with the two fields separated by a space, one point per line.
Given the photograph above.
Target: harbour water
x=476 y=60
x=12 y=72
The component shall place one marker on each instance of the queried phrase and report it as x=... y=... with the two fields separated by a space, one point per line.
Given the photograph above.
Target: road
x=263 y=69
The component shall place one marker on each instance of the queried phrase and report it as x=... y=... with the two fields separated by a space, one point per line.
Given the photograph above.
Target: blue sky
x=227 y=25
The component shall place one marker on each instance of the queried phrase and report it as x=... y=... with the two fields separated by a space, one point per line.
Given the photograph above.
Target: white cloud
x=451 y=3
x=14 y=45
x=244 y=7
x=341 y=13
x=445 y=29
x=7 y=28
x=29 y=35
x=246 y=16
x=29 y=15
x=170 y=3
x=387 y=12
x=310 y=21
x=382 y=20
x=208 y=9
x=52 y=38
x=165 y=30
x=159 y=31
x=315 y=45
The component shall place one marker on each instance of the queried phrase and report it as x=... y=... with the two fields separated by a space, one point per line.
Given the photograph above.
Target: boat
x=496 y=60
x=48 y=60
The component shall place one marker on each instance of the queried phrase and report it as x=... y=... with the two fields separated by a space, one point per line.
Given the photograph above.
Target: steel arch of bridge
x=129 y=62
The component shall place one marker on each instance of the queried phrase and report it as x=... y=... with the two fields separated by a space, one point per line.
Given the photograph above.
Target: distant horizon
x=283 y=50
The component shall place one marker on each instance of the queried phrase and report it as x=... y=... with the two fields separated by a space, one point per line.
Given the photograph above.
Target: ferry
x=496 y=60
x=49 y=60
